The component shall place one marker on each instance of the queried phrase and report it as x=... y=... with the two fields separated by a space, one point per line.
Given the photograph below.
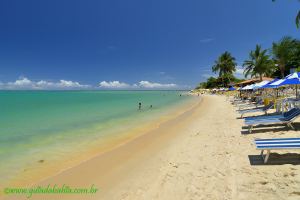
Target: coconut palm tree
x=283 y=52
x=225 y=66
x=259 y=63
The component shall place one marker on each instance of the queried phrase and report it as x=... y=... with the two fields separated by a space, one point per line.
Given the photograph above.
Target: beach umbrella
x=248 y=87
x=281 y=82
x=260 y=84
x=291 y=79
x=231 y=88
x=293 y=75
x=269 y=85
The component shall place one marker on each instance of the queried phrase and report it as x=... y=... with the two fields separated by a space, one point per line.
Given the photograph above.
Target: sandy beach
x=202 y=154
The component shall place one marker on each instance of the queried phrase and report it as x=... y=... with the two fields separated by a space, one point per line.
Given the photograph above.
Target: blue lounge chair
x=267 y=117
x=287 y=119
x=275 y=144
x=261 y=109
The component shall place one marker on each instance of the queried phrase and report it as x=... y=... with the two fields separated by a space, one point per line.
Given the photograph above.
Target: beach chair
x=267 y=117
x=252 y=105
x=260 y=109
x=286 y=119
x=275 y=144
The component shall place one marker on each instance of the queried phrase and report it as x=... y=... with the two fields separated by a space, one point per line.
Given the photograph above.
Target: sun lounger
x=266 y=117
x=251 y=105
x=276 y=144
x=287 y=119
x=239 y=102
x=261 y=109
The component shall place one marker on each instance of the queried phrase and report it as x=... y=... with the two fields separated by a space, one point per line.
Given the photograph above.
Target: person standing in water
x=140 y=105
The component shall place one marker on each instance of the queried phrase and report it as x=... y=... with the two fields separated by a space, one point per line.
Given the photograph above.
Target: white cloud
x=239 y=72
x=113 y=84
x=140 y=85
x=147 y=84
x=25 y=83
x=70 y=84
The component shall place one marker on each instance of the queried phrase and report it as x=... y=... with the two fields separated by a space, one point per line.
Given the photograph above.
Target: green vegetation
x=273 y=62
x=259 y=64
x=225 y=66
x=213 y=82
x=285 y=52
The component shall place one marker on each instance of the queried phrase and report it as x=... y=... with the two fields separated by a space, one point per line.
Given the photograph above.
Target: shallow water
x=48 y=125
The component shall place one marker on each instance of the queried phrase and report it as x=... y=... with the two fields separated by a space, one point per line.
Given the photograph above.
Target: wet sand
x=201 y=154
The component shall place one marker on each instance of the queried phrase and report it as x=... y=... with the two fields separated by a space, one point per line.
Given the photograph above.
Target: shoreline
x=112 y=142
x=120 y=153
x=201 y=154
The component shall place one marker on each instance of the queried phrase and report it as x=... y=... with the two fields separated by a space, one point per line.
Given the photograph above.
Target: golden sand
x=201 y=154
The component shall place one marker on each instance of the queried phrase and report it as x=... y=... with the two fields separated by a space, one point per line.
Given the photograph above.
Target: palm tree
x=283 y=52
x=225 y=66
x=259 y=63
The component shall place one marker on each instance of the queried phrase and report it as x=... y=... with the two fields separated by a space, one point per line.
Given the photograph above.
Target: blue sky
x=132 y=43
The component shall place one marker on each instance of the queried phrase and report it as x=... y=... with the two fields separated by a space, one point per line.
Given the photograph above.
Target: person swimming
x=140 y=105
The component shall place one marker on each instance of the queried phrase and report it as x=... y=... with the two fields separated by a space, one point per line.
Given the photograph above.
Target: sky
x=132 y=44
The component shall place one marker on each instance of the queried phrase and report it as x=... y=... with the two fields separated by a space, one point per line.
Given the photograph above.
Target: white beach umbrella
x=248 y=87
x=277 y=83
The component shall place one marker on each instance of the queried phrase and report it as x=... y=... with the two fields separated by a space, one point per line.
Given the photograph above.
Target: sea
x=43 y=129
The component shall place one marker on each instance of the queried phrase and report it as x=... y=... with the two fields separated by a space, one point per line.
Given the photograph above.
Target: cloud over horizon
x=113 y=84
x=24 y=83
x=140 y=85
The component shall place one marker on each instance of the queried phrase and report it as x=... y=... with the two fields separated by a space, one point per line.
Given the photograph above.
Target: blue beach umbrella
x=231 y=88
x=293 y=75
x=269 y=85
x=291 y=79
x=260 y=84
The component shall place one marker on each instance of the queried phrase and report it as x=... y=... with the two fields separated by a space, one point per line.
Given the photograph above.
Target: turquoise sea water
x=48 y=125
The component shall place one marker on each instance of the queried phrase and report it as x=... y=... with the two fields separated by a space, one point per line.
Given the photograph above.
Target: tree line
x=274 y=62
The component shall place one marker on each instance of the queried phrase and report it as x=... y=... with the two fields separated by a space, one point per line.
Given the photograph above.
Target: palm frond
x=298 y=19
